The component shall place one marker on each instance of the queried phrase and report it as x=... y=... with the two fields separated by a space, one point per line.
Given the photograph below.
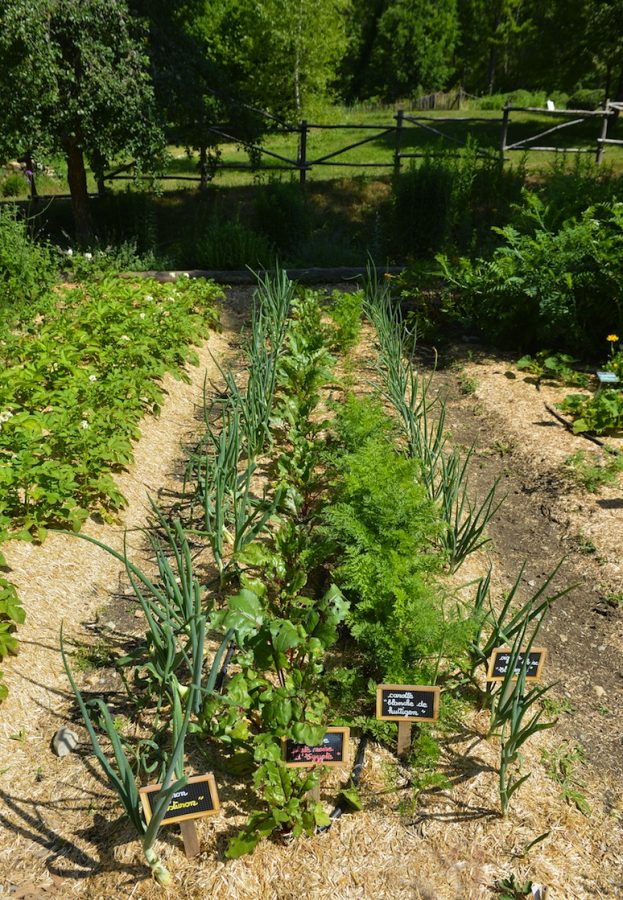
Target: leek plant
x=500 y=628
x=238 y=429
x=119 y=773
x=172 y=605
x=445 y=474
x=223 y=473
x=271 y=306
x=510 y=713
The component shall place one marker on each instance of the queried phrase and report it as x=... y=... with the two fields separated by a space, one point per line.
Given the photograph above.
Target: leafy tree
x=413 y=48
x=74 y=80
x=291 y=49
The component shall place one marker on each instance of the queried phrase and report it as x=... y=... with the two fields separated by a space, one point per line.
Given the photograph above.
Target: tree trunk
x=367 y=46
x=77 y=178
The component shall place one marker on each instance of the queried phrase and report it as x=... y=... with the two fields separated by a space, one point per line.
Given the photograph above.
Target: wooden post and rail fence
x=399 y=137
x=406 y=125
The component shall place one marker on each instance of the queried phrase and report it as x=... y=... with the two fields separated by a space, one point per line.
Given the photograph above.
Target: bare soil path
x=547 y=518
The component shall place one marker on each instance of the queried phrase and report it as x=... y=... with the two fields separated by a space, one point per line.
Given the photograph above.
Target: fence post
x=203 y=167
x=397 y=161
x=30 y=167
x=504 y=133
x=603 y=134
x=302 y=160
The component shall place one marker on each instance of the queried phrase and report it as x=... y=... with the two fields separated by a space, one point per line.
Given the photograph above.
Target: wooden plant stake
x=333 y=751
x=404 y=737
x=196 y=799
x=500 y=660
x=190 y=838
x=407 y=704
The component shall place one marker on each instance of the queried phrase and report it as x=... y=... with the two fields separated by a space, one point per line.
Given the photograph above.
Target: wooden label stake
x=407 y=704
x=500 y=661
x=190 y=838
x=404 y=738
x=333 y=751
x=196 y=799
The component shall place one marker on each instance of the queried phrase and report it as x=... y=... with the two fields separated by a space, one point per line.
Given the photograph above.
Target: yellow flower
x=389 y=275
x=612 y=337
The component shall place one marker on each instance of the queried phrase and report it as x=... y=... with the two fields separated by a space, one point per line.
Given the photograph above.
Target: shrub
x=568 y=184
x=282 y=214
x=230 y=245
x=547 y=288
x=13 y=185
x=448 y=202
x=586 y=98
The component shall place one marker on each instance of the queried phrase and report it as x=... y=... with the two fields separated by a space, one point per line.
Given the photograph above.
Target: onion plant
x=422 y=419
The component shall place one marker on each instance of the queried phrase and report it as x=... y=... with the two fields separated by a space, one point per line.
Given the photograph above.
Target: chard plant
x=283 y=626
x=277 y=693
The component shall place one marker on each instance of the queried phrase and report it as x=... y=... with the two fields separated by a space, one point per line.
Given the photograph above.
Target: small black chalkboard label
x=333 y=751
x=500 y=661
x=404 y=702
x=196 y=799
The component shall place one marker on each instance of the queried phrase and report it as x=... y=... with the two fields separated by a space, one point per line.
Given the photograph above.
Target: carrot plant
x=383 y=528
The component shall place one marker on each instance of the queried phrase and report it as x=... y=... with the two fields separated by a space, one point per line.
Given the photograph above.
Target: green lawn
x=321 y=142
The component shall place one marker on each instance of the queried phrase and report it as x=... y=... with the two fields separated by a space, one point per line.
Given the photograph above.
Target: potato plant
x=81 y=367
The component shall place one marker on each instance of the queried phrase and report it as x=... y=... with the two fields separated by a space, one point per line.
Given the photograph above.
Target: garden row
x=311 y=562
x=81 y=367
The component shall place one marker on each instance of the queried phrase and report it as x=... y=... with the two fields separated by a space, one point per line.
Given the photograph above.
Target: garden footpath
x=63 y=832
x=548 y=516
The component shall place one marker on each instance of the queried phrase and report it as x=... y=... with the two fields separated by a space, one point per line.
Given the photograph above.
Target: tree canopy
x=75 y=80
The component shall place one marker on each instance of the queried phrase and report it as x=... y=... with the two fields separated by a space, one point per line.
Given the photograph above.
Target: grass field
x=484 y=131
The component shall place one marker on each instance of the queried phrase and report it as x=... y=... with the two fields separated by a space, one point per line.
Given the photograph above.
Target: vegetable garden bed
x=352 y=508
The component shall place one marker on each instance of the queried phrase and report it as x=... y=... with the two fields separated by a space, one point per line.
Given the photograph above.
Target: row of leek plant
x=223 y=466
x=445 y=474
x=171 y=666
